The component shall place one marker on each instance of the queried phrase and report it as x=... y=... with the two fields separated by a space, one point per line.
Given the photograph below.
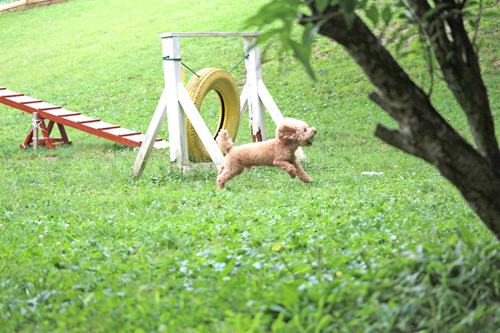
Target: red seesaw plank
x=63 y=117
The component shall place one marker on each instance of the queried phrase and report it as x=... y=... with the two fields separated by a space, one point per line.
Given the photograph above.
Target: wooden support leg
x=36 y=121
x=46 y=132
x=64 y=136
x=28 y=140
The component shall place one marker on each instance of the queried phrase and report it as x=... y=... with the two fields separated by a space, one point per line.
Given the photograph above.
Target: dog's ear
x=285 y=131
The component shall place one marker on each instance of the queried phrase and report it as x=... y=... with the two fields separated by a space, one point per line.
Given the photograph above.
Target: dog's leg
x=288 y=167
x=301 y=173
x=221 y=169
x=227 y=174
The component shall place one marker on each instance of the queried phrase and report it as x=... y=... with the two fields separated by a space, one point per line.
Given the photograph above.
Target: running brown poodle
x=278 y=152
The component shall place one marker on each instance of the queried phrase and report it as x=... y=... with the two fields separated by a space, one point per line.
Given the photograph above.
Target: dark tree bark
x=422 y=131
x=460 y=66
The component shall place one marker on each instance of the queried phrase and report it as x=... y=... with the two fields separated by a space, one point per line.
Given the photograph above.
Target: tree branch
x=422 y=131
x=392 y=111
x=460 y=66
x=393 y=138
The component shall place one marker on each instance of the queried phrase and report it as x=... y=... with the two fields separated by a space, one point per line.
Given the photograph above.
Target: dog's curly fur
x=278 y=152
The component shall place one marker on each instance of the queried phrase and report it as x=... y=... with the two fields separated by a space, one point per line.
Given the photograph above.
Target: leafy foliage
x=285 y=13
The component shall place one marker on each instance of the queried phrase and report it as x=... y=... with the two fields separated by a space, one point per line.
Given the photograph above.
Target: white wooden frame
x=176 y=103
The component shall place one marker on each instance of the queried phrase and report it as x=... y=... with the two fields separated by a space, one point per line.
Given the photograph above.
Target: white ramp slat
x=9 y=93
x=24 y=99
x=63 y=113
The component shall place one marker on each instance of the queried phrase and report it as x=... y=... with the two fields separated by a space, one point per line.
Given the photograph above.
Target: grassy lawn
x=86 y=248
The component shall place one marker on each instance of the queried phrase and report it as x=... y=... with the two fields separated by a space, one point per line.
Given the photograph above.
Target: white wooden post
x=254 y=74
x=168 y=104
x=36 y=123
x=176 y=117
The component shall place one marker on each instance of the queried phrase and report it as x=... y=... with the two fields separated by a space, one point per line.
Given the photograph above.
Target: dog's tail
x=223 y=141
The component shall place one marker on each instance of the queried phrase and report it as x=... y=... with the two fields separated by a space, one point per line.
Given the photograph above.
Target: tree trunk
x=422 y=131
x=460 y=66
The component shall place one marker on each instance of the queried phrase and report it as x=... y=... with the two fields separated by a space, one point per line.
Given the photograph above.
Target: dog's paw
x=306 y=179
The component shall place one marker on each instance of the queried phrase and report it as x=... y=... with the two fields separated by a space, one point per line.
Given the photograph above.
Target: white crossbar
x=210 y=34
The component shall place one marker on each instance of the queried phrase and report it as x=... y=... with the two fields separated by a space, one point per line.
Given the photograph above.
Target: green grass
x=86 y=248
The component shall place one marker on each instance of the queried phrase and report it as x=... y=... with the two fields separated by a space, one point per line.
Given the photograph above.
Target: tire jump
x=224 y=85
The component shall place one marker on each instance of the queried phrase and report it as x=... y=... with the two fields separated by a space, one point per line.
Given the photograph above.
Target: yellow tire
x=224 y=85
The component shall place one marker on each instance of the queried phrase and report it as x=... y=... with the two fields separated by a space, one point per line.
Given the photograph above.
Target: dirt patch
x=108 y=155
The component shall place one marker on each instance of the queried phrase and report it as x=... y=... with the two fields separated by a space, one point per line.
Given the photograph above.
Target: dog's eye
x=305 y=129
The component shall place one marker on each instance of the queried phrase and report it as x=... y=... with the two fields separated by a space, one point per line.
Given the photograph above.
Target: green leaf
x=309 y=31
x=278 y=324
x=323 y=323
x=387 y=15
x=438 y=8
x=348 y=7
x=415 y=48
x=372 y=14
x=267 y=35
x=479 y=44
x=416 y=44
x=491 y=13
x=303 y=54
x=321 y=5
x=465 y=235
x=273 y=11
x=173 y=209
x=470 y=3
x=362 y=4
